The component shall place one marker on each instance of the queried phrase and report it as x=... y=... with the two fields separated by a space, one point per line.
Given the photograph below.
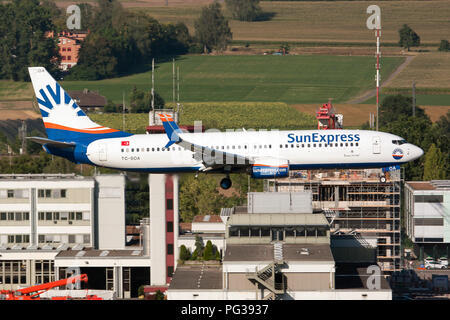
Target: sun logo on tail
x=61 y=106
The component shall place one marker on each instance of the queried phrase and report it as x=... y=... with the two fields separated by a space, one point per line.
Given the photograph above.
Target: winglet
x=171 y=128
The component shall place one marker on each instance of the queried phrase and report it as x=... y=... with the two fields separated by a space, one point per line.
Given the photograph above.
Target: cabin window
x=320 y=145
x=351 y=144
x=281 y=146
x=157 y=149
x=357 y=144
x=132 y=149
x=314 y=145
x=121 y=150
x=148 y=149
x=346 y=144
x=287 y=146
x=270 y=146
x=309 y=146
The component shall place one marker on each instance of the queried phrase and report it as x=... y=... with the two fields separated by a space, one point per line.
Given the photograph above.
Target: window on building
x=169 y=204
x=300 y=231
x=169 y=271
x=169 y=226
x=10 y=193
x=265 y=232
x=170 y=248
x=63 y=193
x=233 y=232
x=48 y=193
x=244 y=231
x=254 y=231
x=86 y=238
x=310 y=231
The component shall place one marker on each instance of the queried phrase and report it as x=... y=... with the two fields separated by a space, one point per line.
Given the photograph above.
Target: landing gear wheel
x=383 y=179
x=225 y=183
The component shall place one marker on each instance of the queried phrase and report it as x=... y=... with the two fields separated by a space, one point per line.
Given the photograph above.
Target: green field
x=222 y=116
x=289 y=79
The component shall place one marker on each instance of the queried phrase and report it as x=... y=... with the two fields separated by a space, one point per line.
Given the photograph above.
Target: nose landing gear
x=225 y=183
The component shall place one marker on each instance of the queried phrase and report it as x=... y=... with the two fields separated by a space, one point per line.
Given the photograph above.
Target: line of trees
x=120 y=41
x=23 y=43
x=396 y=117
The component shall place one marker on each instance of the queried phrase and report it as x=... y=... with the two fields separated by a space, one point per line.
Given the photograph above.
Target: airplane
x=262 y=154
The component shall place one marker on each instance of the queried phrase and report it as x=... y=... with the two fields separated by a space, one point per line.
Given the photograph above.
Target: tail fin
x=171 y=128
x=63 y=119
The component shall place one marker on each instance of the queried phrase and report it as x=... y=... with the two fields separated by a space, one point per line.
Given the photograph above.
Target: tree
x=408 y=38
x=395 y=106
x=141 y=102
x=185 y=254
x=23 y=40
x=211 y=28
x=199 y=196
x=208 y=253
x=244 y=10
x=435 y=164
x=444 y=46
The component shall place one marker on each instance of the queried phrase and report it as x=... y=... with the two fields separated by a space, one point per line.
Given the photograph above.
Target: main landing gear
x=225 y=183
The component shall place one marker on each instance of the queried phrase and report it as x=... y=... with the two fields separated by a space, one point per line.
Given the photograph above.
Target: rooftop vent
x=80 y=254
x=304 y=251
x=104 y=253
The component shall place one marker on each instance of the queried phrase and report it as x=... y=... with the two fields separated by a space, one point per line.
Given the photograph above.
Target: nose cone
x=417 y=152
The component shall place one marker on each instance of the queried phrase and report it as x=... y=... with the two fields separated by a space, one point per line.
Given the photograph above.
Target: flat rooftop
x=429 y=185
x=197 y=277
x=43 y=176
x=70 y=254
x=265 y=252
x=277 y=219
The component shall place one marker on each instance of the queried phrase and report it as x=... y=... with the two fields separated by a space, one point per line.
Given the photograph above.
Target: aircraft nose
x=418 y=152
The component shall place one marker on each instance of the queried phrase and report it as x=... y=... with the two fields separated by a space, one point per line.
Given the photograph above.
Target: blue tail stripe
x=46 y=102
x=56 y=95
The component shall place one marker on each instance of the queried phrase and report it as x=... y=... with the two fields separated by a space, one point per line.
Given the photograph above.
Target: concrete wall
x=156 y=184
x=111 y=211
x=309 y=281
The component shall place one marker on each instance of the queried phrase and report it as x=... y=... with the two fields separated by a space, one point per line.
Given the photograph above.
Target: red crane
x=327 y=119
x=34 y=292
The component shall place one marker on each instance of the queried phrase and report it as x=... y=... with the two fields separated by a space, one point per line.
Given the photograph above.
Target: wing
x=211 y=158
x=53 y=143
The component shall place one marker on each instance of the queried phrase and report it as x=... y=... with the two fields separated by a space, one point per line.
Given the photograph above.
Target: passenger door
x=376 y=145
x=102 y=154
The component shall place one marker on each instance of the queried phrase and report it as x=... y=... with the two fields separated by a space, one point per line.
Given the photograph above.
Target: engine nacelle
x=266 y=168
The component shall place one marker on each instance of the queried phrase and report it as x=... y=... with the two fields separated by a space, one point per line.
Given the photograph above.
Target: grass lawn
x=289 y=79
x=428 y=70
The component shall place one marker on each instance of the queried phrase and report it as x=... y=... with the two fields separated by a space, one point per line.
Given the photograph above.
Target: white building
x=44 y=214
x=427 y=214
x=275 y=255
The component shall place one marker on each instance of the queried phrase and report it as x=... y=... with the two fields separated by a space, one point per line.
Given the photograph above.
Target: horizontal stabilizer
x=53 y=143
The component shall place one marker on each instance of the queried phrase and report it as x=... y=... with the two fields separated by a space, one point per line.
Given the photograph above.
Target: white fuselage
x=303 y=149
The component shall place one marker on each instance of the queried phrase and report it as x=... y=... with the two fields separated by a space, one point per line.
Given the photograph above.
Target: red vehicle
x=34 y=292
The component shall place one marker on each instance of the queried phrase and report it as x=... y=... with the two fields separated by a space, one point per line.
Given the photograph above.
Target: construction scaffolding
x=356 y=203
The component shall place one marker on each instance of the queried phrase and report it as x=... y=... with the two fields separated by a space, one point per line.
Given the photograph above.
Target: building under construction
x=357 y=205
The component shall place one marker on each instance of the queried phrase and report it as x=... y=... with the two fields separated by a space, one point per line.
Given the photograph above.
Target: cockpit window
x=399 y=142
